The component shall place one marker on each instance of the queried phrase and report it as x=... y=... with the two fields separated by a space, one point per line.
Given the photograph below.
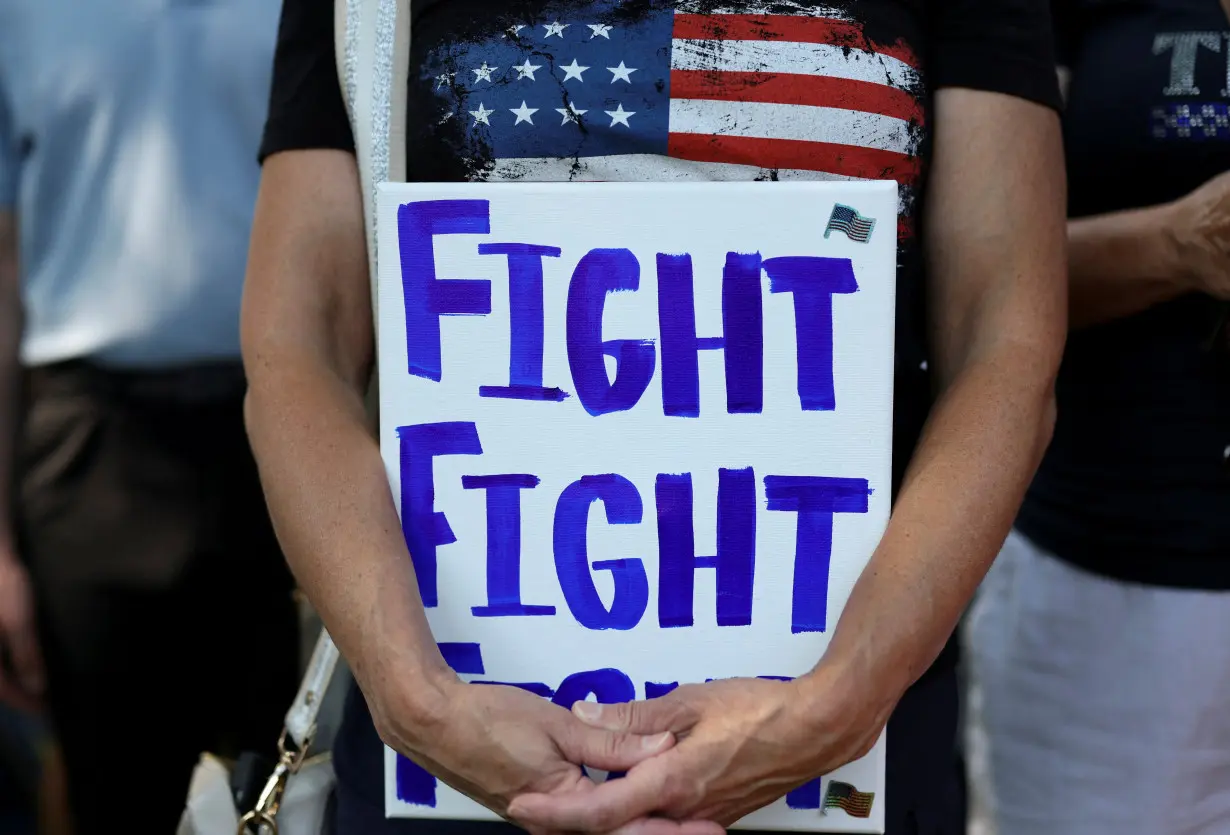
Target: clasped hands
x=697 y=759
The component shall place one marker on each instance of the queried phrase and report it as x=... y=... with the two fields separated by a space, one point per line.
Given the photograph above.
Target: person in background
x=139 y=550
x=1100 y=638
x=962 y=89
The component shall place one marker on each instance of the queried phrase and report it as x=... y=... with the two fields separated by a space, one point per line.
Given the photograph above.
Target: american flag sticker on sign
x=848 y=221
x=850 y=800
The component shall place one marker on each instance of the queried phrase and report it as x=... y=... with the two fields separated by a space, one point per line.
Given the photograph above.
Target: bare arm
x=308 y=352
x=1122 y=263
x=996 y=258
x=997 y=301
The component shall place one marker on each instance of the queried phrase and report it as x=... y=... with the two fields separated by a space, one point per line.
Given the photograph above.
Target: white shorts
x=1104 y=706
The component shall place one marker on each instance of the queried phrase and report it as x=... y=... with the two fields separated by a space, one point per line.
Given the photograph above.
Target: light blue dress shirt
x=128 y=138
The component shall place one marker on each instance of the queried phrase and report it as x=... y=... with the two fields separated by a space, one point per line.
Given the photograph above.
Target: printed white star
x=573 y=70
x=444 y=78
x=619 y=116
x=621 y=73
x=483 y=73
x=523 y=113
x=600 y=30
x=556 y=28
x=527 y=70
x=516 y=30
x=570 y=113
x=481 y=115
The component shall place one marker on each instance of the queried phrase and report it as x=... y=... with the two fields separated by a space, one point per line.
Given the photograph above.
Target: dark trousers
x=165 y=608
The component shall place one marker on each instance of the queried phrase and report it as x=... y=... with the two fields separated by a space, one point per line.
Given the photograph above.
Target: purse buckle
x=263 y=820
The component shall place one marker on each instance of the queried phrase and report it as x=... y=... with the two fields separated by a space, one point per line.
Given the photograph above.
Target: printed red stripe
x=783 y=88
x=846 y=160
x=796 y=28
x=905 y=228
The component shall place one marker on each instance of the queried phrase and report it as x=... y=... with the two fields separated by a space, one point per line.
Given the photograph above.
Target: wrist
x=840 y=685
x=410 y=695
x=1175 y=248
x=399 y=667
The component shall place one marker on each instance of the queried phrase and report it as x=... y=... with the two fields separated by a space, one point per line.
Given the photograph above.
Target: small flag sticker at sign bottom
x=853 y=802
x=847 y=220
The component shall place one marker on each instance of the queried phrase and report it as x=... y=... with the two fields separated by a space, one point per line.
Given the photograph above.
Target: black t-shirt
x=1136 y=484
x=549 y=90
x=694 y=89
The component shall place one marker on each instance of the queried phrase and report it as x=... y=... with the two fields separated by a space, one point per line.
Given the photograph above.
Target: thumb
x=645 y=717
x=610 y=750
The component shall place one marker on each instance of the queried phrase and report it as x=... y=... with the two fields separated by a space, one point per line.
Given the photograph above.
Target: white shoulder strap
x=373 y=54
x=303 y=716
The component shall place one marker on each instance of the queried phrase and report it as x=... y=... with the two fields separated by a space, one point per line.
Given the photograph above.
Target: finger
x=666 y=826
x=609 y=806
x=702 y=828
x=610 y=750
x=643 y=717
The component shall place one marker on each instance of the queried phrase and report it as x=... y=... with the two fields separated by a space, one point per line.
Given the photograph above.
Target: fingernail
x=589 y=711
x=653 y=743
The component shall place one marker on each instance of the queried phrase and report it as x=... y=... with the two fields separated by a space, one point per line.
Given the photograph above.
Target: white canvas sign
x=639 y=435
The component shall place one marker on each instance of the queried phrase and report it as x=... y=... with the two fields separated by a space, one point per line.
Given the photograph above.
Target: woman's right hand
x=1198 y=229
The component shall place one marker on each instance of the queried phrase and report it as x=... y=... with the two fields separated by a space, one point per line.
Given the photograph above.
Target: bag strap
x=301 y=719
x=372 y=46
x=298 y=737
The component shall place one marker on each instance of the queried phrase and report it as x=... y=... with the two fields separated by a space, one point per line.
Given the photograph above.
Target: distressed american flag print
x=677 y=94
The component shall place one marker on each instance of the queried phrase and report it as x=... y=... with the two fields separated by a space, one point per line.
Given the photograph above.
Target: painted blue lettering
x=504 y=545
x=422 y=525
x=736 y=548
x=806 y=796
x=599 y=272
x=742 y=340
x=463 y=659
x=623 y=507
x=813 y=281
x=655 y=689
x=815 y=500
x=426 y=297
x=525 y=322
x=608 y=686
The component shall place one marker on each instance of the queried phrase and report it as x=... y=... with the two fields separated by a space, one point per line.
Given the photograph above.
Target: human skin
x=997 y=285
x=998 y=302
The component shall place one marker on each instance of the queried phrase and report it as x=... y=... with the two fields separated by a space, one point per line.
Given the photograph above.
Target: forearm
x=307 y=348
x=997 y=321
x=1120 y=264
x=330 y=501
x=982 y=444
x=11 y=324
